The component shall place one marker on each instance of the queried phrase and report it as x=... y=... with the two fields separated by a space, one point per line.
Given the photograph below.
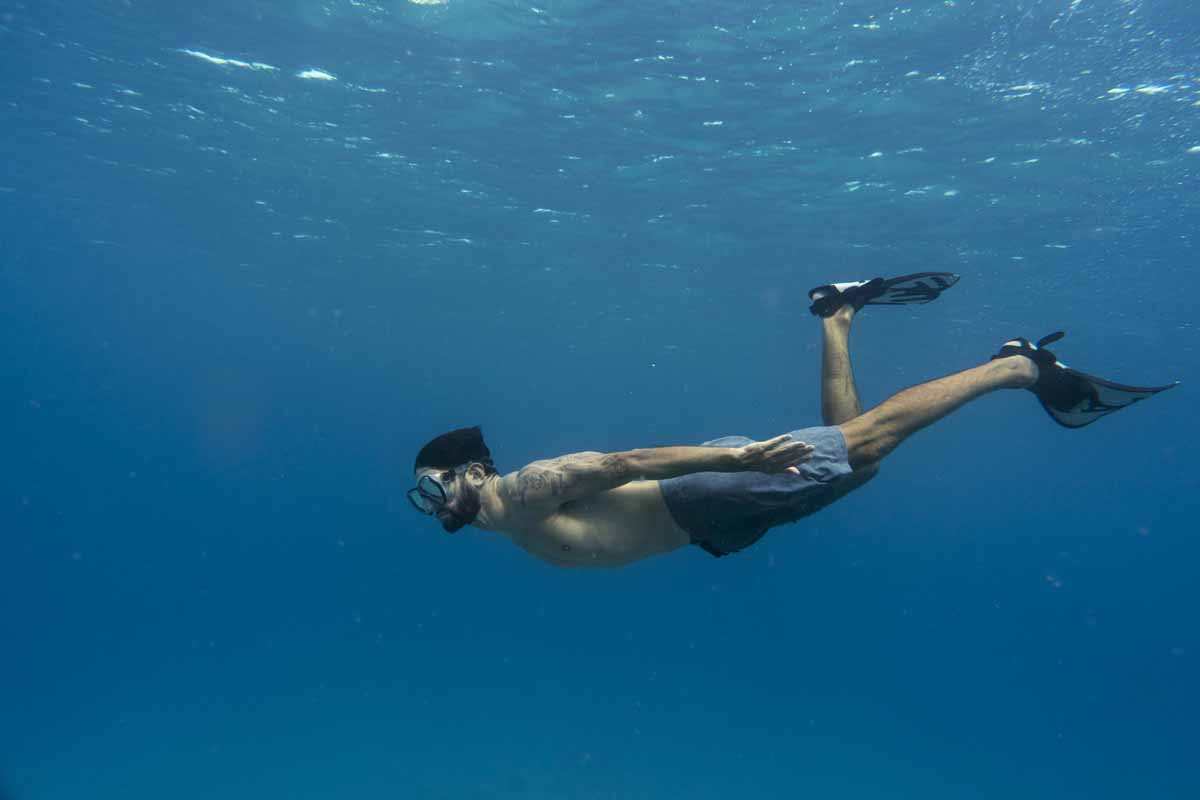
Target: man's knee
x=868 y=471
x=864 y=447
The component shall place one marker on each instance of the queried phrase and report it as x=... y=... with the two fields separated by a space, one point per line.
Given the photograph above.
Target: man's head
x=450 y=472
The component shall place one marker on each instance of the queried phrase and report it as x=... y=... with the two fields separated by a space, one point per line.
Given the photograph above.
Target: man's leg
x=873 y=435
x=839 y=396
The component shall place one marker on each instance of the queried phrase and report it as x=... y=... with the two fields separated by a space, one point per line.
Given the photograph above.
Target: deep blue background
x=235 y=301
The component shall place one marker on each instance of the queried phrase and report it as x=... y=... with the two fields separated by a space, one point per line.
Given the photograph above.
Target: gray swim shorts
x=725 y=512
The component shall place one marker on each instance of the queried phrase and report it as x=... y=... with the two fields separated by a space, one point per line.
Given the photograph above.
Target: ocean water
x=256 y=253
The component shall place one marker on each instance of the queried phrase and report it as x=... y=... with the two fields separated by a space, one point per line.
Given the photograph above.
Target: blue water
x=256 y=253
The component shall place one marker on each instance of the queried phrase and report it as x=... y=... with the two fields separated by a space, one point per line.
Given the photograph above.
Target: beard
x=460 y=513
x=452 y=523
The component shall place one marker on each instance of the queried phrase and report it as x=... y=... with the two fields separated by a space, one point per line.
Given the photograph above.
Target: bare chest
x=606 y=530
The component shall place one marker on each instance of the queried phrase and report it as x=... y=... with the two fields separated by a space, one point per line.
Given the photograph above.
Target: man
x=610 y=509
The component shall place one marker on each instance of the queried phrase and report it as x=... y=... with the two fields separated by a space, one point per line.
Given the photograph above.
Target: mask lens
x=429 y=495
x=419 y=502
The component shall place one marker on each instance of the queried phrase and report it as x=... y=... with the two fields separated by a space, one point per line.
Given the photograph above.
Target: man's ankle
x=841 y=318
x=1020 y=372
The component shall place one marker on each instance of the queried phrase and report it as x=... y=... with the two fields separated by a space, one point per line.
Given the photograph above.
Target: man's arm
x=545 y=485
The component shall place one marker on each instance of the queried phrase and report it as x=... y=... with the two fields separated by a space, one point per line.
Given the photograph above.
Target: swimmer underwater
x=611 y=509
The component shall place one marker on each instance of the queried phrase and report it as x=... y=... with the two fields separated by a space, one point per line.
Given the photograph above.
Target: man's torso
x=608 y=529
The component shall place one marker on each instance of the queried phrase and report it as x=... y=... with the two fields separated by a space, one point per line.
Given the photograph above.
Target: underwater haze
x=255 y=253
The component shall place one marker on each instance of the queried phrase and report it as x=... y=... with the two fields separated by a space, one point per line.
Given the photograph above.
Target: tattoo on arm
x=544 y=480
x=614 y=466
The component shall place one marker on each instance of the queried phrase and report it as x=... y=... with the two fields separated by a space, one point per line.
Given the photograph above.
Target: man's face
x=462 y=498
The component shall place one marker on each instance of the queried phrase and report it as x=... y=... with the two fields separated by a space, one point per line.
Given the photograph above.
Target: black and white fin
x=1072 y=398
x=915 y=289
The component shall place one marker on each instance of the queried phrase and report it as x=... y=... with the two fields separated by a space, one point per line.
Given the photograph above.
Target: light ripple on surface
x=315 y=75
x=228 y=62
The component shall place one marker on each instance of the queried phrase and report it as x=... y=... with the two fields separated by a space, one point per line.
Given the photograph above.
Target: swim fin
x=1073 y=398
x=920 y=287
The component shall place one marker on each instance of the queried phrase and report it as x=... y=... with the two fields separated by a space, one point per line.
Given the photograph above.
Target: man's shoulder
x=540 y=477
x=512 y=495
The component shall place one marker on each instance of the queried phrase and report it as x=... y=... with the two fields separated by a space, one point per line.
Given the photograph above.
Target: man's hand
x=779 y=454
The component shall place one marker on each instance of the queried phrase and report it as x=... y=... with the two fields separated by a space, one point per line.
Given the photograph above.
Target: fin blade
x=1098 y=398
x=915 y=289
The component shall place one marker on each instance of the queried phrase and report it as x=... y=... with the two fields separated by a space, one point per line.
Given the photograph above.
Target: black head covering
x=454 y=448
